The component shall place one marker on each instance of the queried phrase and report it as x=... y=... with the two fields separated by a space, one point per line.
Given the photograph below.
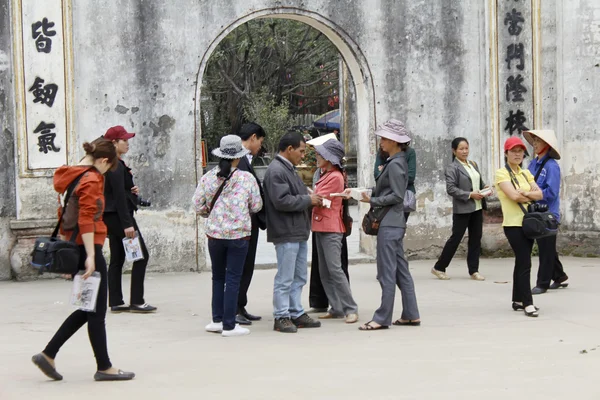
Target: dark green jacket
x=411 y=159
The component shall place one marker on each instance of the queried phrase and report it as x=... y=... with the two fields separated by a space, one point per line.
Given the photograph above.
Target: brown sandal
x=369 y=327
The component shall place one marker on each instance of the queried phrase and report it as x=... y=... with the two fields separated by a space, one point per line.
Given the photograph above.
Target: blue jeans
x=227 y=257
x=292 y=259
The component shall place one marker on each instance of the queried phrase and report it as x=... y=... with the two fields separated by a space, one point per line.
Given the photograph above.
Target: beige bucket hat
x=547 y=136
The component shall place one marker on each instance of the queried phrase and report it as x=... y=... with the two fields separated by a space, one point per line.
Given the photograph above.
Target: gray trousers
x=392 y=270
x=335 y=283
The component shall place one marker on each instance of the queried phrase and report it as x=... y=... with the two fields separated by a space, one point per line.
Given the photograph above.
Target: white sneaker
x=237 y=331
x=215 y=327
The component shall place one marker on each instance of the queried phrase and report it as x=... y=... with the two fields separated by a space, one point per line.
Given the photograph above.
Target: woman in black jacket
x=121 y=196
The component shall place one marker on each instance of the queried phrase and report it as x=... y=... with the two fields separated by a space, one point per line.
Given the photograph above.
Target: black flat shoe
x=519 y=307
x=119 y=309
x=407 y=323
x=560 y=283
x=240 y=319
x=249 y=316
x=44 y=365
x=538 y=290
x=143 y=309
x=120 y=376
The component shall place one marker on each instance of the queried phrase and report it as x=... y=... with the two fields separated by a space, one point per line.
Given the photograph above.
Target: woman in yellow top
x=516 y=185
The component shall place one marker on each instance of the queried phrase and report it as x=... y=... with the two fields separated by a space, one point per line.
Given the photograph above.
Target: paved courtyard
x=471 y=344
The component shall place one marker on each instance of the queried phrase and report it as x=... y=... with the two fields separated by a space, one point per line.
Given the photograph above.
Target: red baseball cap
x=118 y=133
x=513 y=142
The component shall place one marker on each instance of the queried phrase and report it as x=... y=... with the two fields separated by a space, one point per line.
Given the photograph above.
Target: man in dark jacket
x=288 y=205
x=252 y=136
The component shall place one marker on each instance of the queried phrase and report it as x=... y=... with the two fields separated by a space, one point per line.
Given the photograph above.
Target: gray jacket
x=287 y=204
x=459 y=186
x=390 y=188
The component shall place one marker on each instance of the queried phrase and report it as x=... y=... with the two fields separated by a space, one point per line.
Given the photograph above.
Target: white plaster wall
x=136 y=64
x=578 y=64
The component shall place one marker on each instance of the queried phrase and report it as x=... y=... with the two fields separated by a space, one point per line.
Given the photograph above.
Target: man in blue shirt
x=546 y=171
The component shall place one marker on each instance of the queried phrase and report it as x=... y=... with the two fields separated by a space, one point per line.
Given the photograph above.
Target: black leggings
x=95 y=320
x=522 y=247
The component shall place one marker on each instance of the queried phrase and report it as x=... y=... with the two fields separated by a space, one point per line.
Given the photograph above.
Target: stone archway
x=361 y=76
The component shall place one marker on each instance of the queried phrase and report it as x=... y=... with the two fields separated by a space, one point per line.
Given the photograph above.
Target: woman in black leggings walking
x=88 y=200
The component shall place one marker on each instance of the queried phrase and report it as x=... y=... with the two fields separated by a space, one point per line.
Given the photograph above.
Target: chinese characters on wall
x=515 y=66
x=44 y=70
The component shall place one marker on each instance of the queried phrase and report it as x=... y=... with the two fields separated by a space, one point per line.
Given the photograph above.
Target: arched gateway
x=361 y=76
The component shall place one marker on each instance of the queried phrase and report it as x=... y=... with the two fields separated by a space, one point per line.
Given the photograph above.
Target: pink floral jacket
x=329 y=219
x=230 y=218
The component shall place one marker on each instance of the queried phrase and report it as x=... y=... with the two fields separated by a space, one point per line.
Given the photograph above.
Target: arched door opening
x=323 y=71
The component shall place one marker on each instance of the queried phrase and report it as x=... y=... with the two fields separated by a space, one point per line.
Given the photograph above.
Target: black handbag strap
x=512 y=176
x=68 y=193
x=537 y=174
x=214 y=200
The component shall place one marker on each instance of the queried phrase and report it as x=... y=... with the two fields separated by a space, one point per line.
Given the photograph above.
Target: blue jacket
x=549 y=183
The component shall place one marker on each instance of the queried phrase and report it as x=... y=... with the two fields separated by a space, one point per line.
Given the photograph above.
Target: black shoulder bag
x=54 y=255
x=216 y=197
x=537 y=222
x=373 y=218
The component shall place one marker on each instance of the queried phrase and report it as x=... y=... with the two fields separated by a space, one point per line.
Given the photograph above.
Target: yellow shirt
x=513 y=215
x=475 y=181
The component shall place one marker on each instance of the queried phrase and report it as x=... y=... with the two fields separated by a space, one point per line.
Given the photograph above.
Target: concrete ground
x=267 y=258
x=471 y=344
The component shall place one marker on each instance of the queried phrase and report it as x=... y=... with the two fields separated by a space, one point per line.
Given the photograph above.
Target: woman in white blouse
x=465 y=184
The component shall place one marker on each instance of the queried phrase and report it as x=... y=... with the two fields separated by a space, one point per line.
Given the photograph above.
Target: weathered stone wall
x=136 y=64
x=571 y=83
x=7 y=142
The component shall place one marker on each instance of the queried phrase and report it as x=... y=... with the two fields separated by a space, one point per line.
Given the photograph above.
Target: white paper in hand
x=133 y=250
x=355 y=193
x=85 y=292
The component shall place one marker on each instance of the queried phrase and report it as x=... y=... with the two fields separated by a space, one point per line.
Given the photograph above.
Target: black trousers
x=460 y=222
x=248 y=268
x=522 y=247
x=95 y=320
x=117 y=259
x=550 y=266
x=317 y=297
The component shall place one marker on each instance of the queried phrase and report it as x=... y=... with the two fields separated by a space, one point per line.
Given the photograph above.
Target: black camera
x=143 y=203
x=537 y=207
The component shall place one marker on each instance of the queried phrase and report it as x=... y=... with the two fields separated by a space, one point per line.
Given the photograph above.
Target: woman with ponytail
x=84 y=214
x=226 y=197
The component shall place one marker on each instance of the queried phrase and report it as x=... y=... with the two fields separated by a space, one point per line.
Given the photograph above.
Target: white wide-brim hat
x=394 y=130
x=231 y=148
x=321 y=139
x=547 y=136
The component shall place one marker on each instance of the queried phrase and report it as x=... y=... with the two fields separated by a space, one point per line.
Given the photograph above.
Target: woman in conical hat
x=546 y=172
